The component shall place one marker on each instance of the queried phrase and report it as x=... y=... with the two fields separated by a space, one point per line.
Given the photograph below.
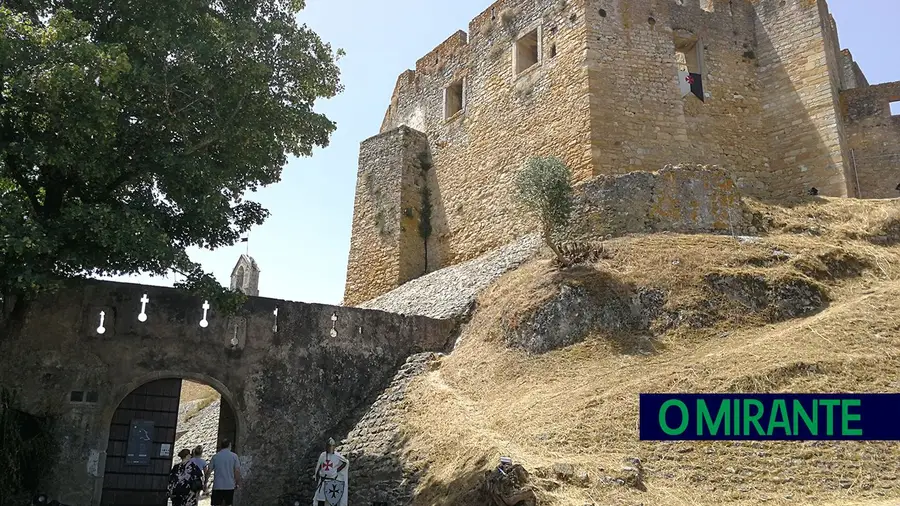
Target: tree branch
x=201 y=145
x=213 y=138
x=117 y=183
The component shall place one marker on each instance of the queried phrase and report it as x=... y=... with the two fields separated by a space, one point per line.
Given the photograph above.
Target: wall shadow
x=373 y=443
x=435 y=244
x=463 y=490
x=799 y=155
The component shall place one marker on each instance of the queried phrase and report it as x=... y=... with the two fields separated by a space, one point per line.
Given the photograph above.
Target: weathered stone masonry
x=392 y=171
x=604 y=93
x=289 y=380
x=872 y=135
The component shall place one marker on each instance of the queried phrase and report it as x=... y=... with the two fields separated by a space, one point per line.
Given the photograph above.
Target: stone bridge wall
x=290 y=385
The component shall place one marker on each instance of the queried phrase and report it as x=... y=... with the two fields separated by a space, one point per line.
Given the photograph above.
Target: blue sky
x=302 y=248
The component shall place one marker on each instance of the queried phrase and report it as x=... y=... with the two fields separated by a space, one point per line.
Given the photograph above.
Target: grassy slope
x=579 y=405
x=199 y=395
x=193 y=391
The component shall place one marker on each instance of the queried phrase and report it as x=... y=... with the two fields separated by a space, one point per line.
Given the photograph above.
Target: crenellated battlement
x=106 y=310
x=450 y=49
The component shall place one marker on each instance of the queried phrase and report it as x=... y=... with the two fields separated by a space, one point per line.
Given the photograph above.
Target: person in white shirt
x=331 y=477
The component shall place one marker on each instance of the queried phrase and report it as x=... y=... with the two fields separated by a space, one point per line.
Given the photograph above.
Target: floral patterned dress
x=180 y=480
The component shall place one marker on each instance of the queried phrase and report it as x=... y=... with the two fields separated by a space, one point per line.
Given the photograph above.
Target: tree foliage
x=27 y=449
x=544 y=185
x=131 y=130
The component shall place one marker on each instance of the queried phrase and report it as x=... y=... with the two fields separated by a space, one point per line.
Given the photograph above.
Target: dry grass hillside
x=570 y=415
x=194 y=398
x=193 y=391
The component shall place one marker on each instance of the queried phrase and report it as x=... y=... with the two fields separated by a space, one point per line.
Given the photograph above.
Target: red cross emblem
x=327 y=465
x=689 y=78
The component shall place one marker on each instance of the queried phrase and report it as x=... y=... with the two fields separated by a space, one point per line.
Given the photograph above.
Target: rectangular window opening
x=91 y=397
x=527 y=51
x=690 y=68
x=453 y=98
x=895 y=108
x=76 y=396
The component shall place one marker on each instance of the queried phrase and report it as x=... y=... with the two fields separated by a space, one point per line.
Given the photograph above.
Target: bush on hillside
x=544 y=185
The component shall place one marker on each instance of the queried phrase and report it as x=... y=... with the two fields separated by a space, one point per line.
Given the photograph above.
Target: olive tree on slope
x=544 y=185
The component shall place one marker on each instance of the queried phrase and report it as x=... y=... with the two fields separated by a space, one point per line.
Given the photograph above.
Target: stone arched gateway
x=293 y=372
x=154 y=398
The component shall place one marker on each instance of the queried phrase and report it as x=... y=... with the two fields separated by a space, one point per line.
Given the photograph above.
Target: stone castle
x=760 y=88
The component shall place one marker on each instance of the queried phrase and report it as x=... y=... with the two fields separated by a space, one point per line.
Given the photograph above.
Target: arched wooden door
x=227 y=425
x=141 y=445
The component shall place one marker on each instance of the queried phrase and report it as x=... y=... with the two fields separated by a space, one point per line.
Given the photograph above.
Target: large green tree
x=130 y=130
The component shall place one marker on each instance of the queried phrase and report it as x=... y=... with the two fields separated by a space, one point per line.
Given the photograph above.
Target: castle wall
x=290 y=381
x=874 y=137
x=606 y=96
x=386 y=248
x=507 y=118
x=834 y=61
x=639 y=119
x=832 y=46
x=685 y=199
x=800 y=99
x=724 y=130
x=852 y=76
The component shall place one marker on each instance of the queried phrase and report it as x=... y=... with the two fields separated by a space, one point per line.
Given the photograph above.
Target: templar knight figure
x=331 y=478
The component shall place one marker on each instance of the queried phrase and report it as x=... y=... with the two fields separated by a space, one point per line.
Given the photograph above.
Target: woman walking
x=185 y=481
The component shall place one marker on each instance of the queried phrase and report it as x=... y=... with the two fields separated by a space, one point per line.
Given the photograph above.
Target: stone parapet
x=297 y=372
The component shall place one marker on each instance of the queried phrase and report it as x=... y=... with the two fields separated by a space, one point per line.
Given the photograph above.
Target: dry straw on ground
x=579 y=405
x=193 y=391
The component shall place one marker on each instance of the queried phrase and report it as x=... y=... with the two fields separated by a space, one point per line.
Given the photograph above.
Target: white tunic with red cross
x=327 y=474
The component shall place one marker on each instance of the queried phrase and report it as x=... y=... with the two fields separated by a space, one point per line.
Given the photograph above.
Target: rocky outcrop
x=596 y=301
x=509 y=484
x=778 y=299
x=631 y=474
x=450 y=292
x=566 y=319
x=677 y=198
x=577 y=309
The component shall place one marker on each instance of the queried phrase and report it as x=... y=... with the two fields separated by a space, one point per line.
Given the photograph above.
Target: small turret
x=245 y=276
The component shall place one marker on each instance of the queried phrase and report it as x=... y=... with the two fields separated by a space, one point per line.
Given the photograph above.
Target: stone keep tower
x=761 y=88
x=245 y=276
